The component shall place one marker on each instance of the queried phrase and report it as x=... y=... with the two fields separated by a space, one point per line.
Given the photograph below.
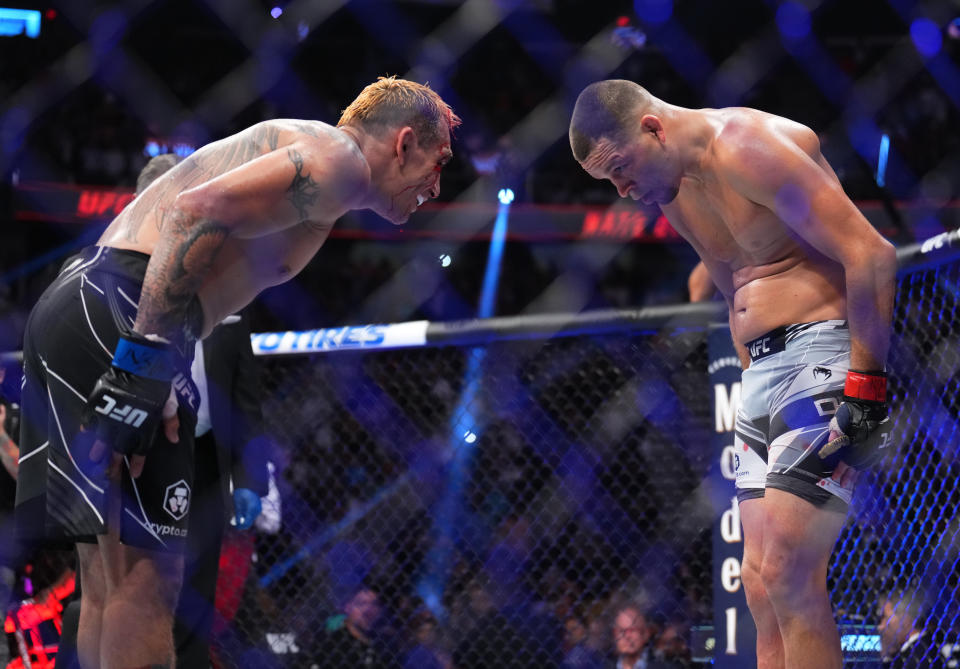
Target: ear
x=653 y=124
x=405 y=143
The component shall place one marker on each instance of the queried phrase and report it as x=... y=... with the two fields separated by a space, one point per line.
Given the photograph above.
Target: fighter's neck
x=694 y=131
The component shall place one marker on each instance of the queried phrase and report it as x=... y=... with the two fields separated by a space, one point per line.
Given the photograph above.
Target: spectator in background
x=9 y=425
x=905 y=643
x=491 y=641
x=576 y=653
x=425 y=652
x=353 y=642
x=631 y=635
x=670 y=649
x=9 y=455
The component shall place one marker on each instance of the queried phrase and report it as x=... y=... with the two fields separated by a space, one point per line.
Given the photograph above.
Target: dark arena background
x=491 y=428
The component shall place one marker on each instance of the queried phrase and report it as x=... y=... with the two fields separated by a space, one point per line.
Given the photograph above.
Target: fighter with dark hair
x=809 y=284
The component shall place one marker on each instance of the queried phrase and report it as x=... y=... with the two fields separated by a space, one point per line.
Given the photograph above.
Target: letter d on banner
x=734 y=631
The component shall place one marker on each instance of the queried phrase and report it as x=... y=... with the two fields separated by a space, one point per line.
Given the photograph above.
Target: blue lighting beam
x=882 y=160
x=465 y=429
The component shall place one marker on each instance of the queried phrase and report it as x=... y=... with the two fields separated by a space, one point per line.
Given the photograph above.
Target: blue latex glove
x=246 y=508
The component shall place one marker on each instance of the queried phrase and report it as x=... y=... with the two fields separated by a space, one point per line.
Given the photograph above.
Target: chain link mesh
x=506 y=488
x=501 y=502
x=902 y=542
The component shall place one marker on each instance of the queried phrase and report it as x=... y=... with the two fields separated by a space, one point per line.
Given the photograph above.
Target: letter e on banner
x=730 y=574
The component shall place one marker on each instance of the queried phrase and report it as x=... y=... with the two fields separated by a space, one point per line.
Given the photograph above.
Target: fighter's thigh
x=798 y=538
x=753 y=519
x=92 y=575
x=152 y=579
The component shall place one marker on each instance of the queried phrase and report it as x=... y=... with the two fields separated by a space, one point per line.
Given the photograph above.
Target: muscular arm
x=280 y=189
x=699 y=284
x=775 y=173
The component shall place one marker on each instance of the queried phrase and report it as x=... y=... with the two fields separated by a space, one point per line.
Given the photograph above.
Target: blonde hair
x=390 y=102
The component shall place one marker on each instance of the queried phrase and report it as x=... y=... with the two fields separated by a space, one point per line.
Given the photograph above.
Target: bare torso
x=766 y=271
x=243 y=266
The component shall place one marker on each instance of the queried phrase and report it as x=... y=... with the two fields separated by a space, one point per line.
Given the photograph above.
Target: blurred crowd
x=99 y=129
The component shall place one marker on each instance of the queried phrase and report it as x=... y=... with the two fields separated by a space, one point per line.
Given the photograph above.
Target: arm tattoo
x=303 y=191
x=180 y=262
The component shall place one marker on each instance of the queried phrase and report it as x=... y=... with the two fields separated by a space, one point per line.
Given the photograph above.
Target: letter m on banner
x=725 y=405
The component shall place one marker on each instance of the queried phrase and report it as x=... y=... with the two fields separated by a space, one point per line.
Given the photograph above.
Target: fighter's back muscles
x=261 y=182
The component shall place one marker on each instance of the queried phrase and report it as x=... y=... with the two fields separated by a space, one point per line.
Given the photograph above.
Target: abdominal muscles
x=797 y=289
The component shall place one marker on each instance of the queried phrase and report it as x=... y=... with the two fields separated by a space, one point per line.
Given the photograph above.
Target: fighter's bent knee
x=752 y=582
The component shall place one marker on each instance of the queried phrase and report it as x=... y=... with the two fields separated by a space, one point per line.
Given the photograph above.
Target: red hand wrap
x=866 y=386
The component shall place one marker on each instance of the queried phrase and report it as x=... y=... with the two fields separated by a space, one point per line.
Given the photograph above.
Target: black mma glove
x=863 y=421
x=126 y=405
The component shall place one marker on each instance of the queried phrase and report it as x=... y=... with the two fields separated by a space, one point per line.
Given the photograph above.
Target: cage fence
x=496 y=504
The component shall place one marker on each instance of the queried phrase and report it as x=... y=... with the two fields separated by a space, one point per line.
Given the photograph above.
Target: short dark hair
x=155 y=168
x=606 y=109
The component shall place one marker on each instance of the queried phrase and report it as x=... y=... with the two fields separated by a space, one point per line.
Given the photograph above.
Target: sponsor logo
x=122 y=414
x=357 y=336
x=168 y=530
x=102 y=203
x=187 y=393
x=176 y=500
x=822 y=372
x=938 y=242
x=759 y=346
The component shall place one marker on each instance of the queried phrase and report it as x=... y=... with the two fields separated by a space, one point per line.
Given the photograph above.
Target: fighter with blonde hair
x=115 y=332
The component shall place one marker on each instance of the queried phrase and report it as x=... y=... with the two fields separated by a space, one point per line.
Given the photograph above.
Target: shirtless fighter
x=114 y=333
x=809 y=284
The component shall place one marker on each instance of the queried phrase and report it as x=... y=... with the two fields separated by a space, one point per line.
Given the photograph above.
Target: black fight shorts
x=68 y=344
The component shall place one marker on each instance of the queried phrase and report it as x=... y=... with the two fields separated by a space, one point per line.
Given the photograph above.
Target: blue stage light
x=793 y=19
x=926 y=37
x=882 y=160
x=19 y=21
x=654 y=11
x=505 y=196
x=276 y=12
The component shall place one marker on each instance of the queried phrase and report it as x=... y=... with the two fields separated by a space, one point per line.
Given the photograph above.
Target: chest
x=272 y=259
x=728 y=227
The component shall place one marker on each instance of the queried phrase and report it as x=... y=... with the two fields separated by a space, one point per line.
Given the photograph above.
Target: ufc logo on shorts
x=125 y=414
x=759 y=346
